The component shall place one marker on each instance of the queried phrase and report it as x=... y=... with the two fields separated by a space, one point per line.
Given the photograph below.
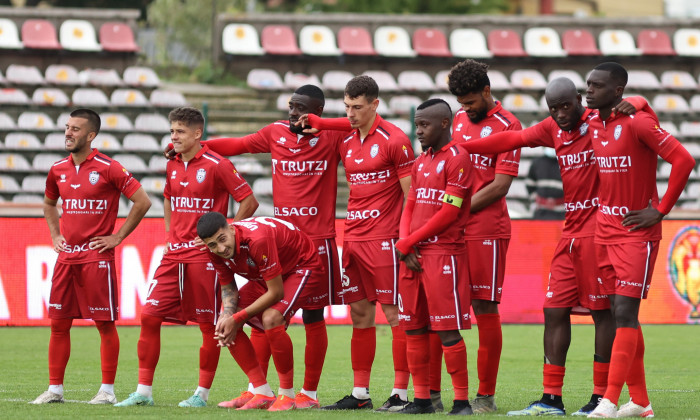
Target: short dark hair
x=467 y=77
x=210 y=223
x=93 y=118
x=362 y=85
x=434 y=101
x=312 y=92
x=186 y=115
x=617 y=73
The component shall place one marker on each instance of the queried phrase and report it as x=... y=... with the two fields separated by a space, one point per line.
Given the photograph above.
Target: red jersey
x=435 y=174
x=579 y=172
x=626 y=148
x=90 y=194
x=304 y=175
x=373 y=167
x=492 y=221
x=267 y=247
x=196 y=187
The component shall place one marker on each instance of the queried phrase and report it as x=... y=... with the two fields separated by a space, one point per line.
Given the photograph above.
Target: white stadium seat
x=128 y=97
x=528 y=79
x=152 y=123
x=50 y=96
x=241 y=39
x=318 y=40
x=34 y=183
x=90 y=97
x=106 y=142
x=499 y=81
x=7 y=122
x=131 y=163
x=13 y=96
x=543 y=42
x=78 y=35
x=29 y=120
x=404 y=104
x=14 y=162
x=55 y=141
x=469 y=43
x=113 y=121
x=572 y=75
x=686 y=42
x=336 y=79
x=383 y=79
x=295 y=80
x=264 y=79
x=62 y=74
x=415 y=80
x=9 y=35
x=669 y=102
x=677 y=79
x=441 y=80
x=393 y=41
x=8 y=184
x=44 y=161
x=153 y=184
x=617 y=42
x=24 y=75
x=517 y=102
x=643 y=80
x=20 y=140
x=141 y=76
x=167 y=98
x=101 y=77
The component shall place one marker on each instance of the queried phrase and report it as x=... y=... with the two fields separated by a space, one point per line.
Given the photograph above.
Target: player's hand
x=625 y=108
x=644 y=218
x=198 y=242
x=59 y=243
x=169 y=152
x=166 y=248
x=413 y=261
x=226 y=330
x=103 y=243
x=303 y=121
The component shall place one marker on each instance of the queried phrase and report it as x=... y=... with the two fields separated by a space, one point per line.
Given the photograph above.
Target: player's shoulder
x=105 y=160
x=505 y=117
x=391 y=132
x=211 y=157
x=61 y=163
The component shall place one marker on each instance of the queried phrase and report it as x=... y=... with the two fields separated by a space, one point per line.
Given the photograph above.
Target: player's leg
x=261 y=396
x=314 y=357
x=435 y=371
x=604 y=336
x=398 y=398
x=283 y=356
x=109 y=356
x=455 y=351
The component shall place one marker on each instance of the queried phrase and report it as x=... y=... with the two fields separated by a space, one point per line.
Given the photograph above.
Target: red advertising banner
x=27 y=264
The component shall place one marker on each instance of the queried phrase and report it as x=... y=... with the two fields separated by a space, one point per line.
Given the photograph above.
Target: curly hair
x=467 y=77
x=186 y=115
x=362 y=85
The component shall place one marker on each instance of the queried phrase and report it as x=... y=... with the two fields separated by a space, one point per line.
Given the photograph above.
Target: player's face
x=184 y=138
x=429 y=128
x=602 y=91
x=78 y=134
x=565 y=111
x=222 y=243
x=360 y=111
x=475 y=104
x=298 y=106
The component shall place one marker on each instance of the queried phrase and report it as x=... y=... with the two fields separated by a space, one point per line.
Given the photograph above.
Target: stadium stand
x=264 y=79
x=393 y=41
x=678 y=80
x=415 y=80
x=654 y=42
x=50 y=96
x=335 y=80
x=78 y=35
x=686 y=42
x=241 y=39
x=543 y=42
x=468 y=42
x=528 y=79
x=62 y=74
x=88 y=97
x=117 y=37
x=318 y=40
x=579 y=42
x=128 y=97
x=39 y=34
x=24 y=75
x=141 y=76
x=279 y=40
x=505 y=43
x=9 y=36
x=430 y=42
x=355 y=40
x=617 y=42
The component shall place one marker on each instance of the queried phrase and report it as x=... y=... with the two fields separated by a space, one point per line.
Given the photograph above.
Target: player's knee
x=105 y=327
x=272 y=318
x=61 y=326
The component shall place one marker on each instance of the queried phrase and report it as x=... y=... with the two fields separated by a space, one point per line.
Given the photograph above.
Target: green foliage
x=398 y=6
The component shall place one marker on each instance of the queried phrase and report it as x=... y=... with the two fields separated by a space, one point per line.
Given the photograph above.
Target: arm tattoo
x=229 y=299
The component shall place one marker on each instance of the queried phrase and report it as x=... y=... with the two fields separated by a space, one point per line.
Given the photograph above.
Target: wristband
x=241 y=316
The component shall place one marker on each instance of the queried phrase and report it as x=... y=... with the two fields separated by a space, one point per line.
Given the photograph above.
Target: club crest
x=440 y=166
x=201 y=174
x=313 y=141
x=94 y=177
x=618 y=131
x=486 y=131
x=374 y=150
x=583 y=129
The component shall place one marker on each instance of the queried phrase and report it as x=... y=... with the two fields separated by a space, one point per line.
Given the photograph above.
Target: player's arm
x=410 y=259
x=52 y=219
x=491 y=193
x=141 y=205
x=449 y=211
x=317 y=123
x=167 y=214
x=501 y=142
x=629 y=106
x=246 y=207
x=405 y=183
x=226 y=327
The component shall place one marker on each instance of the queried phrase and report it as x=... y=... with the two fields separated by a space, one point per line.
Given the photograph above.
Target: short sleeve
x=225 y=274
x=507 y=163
x=122 y=179
x=263 y=250
x=259 y=142
x=459 y=175
x=653 y=136
x=232 y=181
x=51 y=190
x=402 y=155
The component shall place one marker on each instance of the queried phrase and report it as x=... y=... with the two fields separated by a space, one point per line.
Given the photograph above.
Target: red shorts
x=328 y=252
x=573 y=277
x=438 y=297
x=304 y=289
x=181 y=292
x=371 y=271
x=87 y=290
x=627 y=267
x=487 y=268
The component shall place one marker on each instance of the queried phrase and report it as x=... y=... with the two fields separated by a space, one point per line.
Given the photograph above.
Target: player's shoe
x=635 y=410
x=393 y=404
x=349 y=402
x=283 y=403
x=302 y=400
x=590 y=406
x=135 y=399
x=461 y=408
x=436 y=399
x=193 y=401
x=238 y=401
x=605 y=409
x=413 y=408
x=484 y=404
x=103 y=397
x=48 y=397
x=258 y=402
x=538 y=408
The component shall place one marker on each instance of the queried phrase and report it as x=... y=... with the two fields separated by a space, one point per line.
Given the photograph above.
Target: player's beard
x=78 y=145
x=296 y=129
x=479 y=116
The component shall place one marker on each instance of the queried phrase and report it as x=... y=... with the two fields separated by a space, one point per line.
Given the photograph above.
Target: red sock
x=282 y=355
x=314 y=353
x=208 y=355
x=435 y=361
x=418 y=355
x=363 y=345
x=636 y=380
x=456 y=361
x=600 y=377
x=148 y=348
x=244 y=354
x=489 y=354
x=553 y=378
x=109 y=350
x=262 y=348
x=623 y=352
x=59 y=349
x=398 y=350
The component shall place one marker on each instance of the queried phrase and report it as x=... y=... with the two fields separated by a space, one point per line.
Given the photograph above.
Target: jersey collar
x=497 y=108
x=377 y=120
x=199 y=154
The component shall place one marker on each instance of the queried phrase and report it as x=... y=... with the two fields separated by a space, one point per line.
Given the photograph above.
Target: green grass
x=672 y=365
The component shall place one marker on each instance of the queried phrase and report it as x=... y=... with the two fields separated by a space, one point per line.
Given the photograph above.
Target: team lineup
x=426 y=236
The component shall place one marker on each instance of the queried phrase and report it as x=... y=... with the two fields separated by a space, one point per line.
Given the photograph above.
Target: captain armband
x=454 y=200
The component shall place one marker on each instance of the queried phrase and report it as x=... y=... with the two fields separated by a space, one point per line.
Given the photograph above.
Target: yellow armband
x=451 y=199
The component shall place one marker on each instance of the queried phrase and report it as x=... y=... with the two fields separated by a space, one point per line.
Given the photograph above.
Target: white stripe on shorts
x=292 y=301
x=395 y=268
x=455 y=293
x=109 y=288
x=646 y=269
x=493 y=269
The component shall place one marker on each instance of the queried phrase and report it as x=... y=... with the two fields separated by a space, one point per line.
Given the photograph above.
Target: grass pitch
x=672 y=366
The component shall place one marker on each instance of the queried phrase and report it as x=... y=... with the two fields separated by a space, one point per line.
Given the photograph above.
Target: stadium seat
x=404 y=125
x=6 y=122
x=90 y=97
x=430 y=42
x=24 y=75
x=157 y=163
x=469 y=43
x=131 y=163
x=61 y=74
x=654 y=42
x=13 y=96
x=383 y=79
x=695 y=103
x=686 y=42
x=167 y=98
x=669 y=102
x=140 y=143
x=42 y=162
x=101 y=77
x=39 y=121
x=516 y=102
x=413 y=80
x=543 y=42
x=241 y=39
x=441 y=80
x=334 y=106
x=355 y=40
x=527 y=79
x=248 y=165
x=152 y=123
x=572 y=75
x=55 y=141
x=579 y=42
x=116 y=122
x=671 y=128
x=617 y=42
x=336 y=79
x=499 y=81
x=404 y=104
x=27 y=199
x=63 y=119
x=505 y=43
x=642 y=79
x=105 y=142
x=128 y=97
x=279 y=40
x=664 y=170
x=282 y=103
x=383 y=107
x=318 y=40
x=78 y=35
x=295 y=80
x=14 y=162
x=2 y=79
x=117 y=37
x=22 y=141
x=393 y=41
x=9 y=36
x=50 y=96
x=34 y=184
x=678 y=80
x=688 y=129
x=39 y=34
x=153 y=184
x=262 y=186
x=141 y=76
x=264 y=79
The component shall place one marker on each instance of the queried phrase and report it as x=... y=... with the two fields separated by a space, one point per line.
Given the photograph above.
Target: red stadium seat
x=579 y=42
x=39 y=34
x=654 y=42
x=430 y=42
x=117 y=36
x=505 y=43
x=355 y=40
x=279 y=40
